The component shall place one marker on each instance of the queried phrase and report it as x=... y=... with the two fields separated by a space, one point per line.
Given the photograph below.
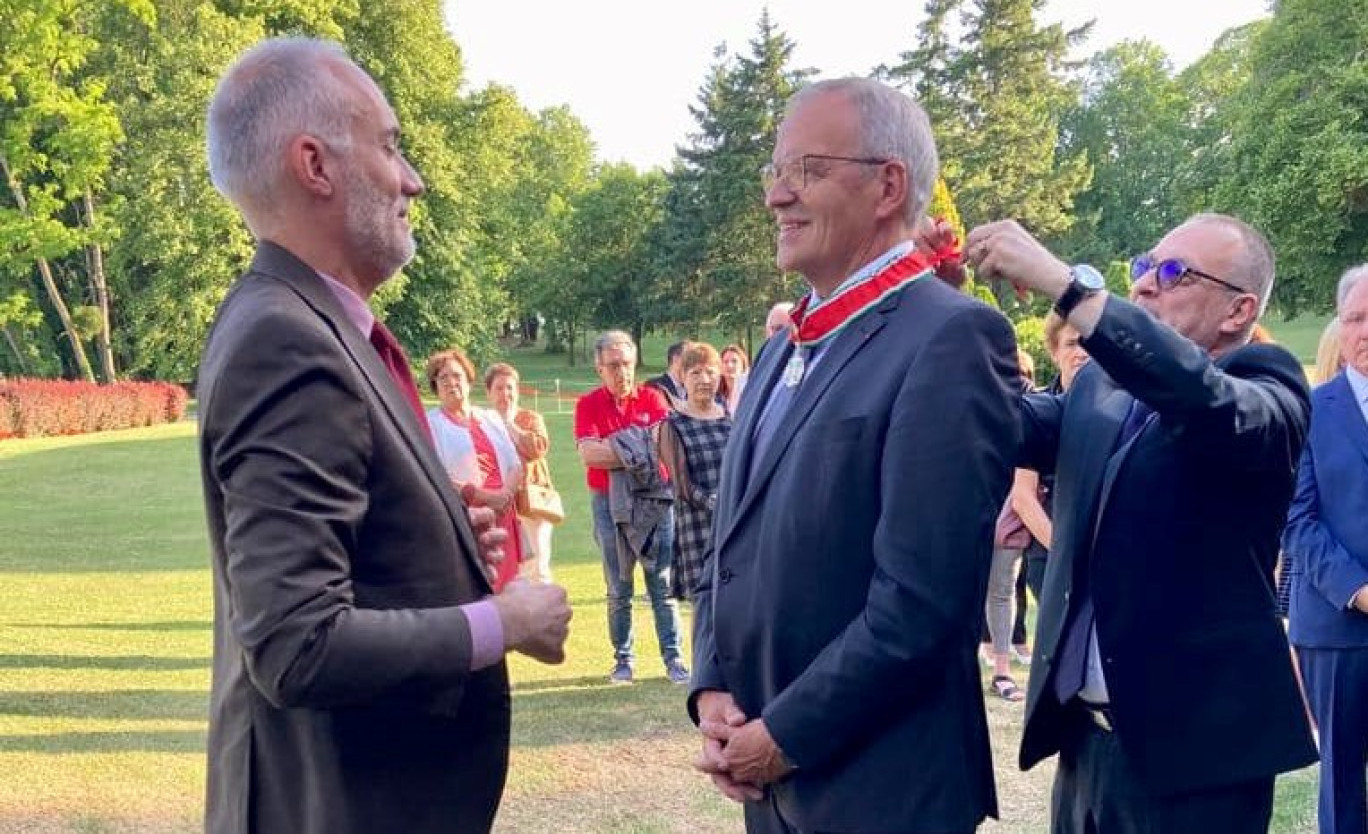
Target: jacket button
x=725 y=575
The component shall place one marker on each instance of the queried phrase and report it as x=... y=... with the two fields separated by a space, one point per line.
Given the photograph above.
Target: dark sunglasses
x=1169 y=272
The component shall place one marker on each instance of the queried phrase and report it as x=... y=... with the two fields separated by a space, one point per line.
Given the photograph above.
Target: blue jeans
x=620 y=589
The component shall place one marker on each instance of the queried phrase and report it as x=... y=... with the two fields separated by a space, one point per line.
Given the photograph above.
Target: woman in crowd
x=1329 y=359
x=1026 y=518
x=691 y=444
x=477 y=452
x=1009 y=543
x=527 y=430
x=735 y=371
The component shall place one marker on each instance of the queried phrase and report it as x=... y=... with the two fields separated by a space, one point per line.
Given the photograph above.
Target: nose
x=413 y=184
x=1146 y=285
x=779 y=194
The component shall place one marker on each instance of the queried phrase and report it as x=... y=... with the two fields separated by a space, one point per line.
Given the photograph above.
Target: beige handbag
x=540 y=502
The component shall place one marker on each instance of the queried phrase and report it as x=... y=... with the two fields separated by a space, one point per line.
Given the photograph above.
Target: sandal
x=1005 y=688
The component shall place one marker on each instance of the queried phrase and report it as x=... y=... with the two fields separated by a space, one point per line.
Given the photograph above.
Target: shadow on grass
x=167 y=625
x=571 y=712
x=137 y=741
x=554 y=684
x=138 y=662
x=150 y=704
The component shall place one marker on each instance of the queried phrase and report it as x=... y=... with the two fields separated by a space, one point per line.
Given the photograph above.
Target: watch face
x=1089 y=277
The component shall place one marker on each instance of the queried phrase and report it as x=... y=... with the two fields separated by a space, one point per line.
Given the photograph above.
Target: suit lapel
x=275 y=261
x=736 y=461
x=841 y=350
x=1345 y=411
x=1100 y=458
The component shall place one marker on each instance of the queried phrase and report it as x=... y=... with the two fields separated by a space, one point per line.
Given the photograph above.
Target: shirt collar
x=1358 y=382
x=353 y=305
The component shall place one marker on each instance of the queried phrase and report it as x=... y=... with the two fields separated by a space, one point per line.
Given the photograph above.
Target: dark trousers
x=764 y=817
x=1337 y=688
x=1096 y=792
x=1032 y=576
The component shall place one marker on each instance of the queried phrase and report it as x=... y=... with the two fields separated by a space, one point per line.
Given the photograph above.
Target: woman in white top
x=477 y=452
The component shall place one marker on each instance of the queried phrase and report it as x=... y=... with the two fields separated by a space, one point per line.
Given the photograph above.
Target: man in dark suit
x=1327 y=533
x=835 y=680
x=671 y=383
x=1161 y=673
x=358 y=677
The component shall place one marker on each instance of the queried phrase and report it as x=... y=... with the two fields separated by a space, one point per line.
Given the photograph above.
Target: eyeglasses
x=795 y=173
x=1169 y=272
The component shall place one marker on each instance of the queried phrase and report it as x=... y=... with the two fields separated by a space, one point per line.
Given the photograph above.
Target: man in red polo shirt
x=620 y=404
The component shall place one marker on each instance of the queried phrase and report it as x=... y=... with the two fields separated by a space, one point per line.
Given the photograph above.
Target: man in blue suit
x=1161 y=674
x=1327 y=532
x=835 y=680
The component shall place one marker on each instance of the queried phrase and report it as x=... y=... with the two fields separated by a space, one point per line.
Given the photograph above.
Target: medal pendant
x=793 y=371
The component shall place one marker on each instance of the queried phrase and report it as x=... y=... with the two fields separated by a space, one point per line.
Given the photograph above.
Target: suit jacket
x=845 y=587
x=666 y=385
x=342 y=698
x=1327 y=526
x=1179 y=530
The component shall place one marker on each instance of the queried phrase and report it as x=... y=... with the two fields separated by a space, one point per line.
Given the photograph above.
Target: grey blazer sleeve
x=289 y=439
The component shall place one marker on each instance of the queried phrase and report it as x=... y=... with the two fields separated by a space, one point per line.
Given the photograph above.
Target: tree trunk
x=95 y=266
x=49 y=283
x=14 y=346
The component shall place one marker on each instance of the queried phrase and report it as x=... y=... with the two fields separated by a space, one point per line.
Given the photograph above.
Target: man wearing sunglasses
x=1161 y=673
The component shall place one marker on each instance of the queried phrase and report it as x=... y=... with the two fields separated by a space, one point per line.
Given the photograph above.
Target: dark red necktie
x=397 y=365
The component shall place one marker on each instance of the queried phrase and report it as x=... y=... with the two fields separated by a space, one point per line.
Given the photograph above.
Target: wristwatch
x=1086 y=281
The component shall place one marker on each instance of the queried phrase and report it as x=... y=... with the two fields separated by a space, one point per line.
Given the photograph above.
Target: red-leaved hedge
x=48 y=407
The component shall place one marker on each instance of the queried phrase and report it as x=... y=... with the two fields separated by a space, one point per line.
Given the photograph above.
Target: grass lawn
x=1299 y=335
x=105 y=652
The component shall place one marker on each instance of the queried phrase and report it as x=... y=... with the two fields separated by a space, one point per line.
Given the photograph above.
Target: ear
x=1244 y=311
x=309 y=164
x=893 y=195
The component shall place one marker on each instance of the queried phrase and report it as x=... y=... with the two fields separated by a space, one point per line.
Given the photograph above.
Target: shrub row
x=48 y=407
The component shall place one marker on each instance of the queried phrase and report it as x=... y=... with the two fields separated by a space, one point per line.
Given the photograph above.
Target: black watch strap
x=1073 y=295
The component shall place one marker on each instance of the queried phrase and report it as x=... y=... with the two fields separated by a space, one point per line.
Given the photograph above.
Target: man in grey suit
x=358 y=678
x=835 y=679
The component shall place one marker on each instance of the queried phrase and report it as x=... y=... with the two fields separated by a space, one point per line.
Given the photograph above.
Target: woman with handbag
x=477 y=452
x=538 y=504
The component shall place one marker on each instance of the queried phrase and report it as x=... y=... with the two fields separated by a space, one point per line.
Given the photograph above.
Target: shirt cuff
x=486 y=634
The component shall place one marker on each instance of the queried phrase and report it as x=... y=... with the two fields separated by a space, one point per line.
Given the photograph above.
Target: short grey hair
x=272 y=93
x=1256 y=265
x=1351 y=276
x=610 y=339
x=892 y=126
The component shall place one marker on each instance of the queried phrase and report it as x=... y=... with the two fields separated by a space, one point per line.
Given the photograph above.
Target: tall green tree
x=610 y=281
x=1298 y=161
x=1132 y=123
x=719 y=237
x=995 y=84
x=58 y=133
x=180 y=243
x=555 y=168
x=1215 y=87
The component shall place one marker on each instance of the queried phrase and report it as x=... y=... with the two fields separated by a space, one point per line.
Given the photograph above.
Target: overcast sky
x=629 y=69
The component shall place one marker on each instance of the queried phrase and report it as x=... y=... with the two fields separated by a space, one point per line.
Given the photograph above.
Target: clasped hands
x=739 y=755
